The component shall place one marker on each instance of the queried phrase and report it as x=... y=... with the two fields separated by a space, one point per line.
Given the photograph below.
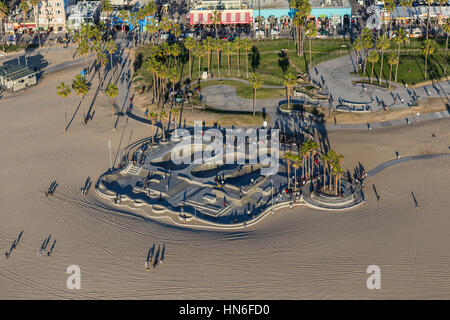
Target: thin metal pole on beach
x=110 y=151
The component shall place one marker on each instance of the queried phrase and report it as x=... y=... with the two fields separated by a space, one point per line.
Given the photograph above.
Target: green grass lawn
x=411 y=68
x=18 y=47
x=265 y=59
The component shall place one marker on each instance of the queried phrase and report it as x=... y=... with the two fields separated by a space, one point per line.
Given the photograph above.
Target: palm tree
x=296 y=163
x=63 y=91
x=208 y=46
x=429 y=2
x=216 y=18
x=84 y=49
x=310 y=32
x=389 y=7
x=25 y=7
x=163 y=116
x=392 y=60
x=175 y=51
x=289 y=157
x=102 y=60
x=290 y=80
x=218 y=47
x=237 y=45
x=112 y=92
x=173 y=76
x=358 y=46
x=256 y=81
x=367 y=41
x=337 y=172
x=81 y=88
x=373 y=58
x=382 y=45
x=189 y=44
x=428 y=49
x=199 y=53
x=400 y=39
x=4 y=10
x=228 y=49
x=111 y=47
x=153 y=117
x=35 y=4
x=408 y=4
x=247 y=46
x=175 y=111
x=447 y=32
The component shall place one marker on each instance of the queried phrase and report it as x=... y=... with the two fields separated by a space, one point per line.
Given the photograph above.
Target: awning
x=227 y=17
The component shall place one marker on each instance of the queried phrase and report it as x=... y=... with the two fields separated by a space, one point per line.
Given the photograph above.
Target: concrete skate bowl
x=246 y=175
x=187 y=152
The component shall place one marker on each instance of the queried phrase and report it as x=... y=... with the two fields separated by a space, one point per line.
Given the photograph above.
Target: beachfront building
x=419 y=14
x=16 y=77
x=328 y=14
x=53 y=14
x=85 y=12
x=232 y=12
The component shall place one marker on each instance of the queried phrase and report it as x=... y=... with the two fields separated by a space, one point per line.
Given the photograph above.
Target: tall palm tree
x=199 y=53
x=35 y=4
x=4 y=10
x=337 y=173
x=289 y=81
x=163 y=117
x=392 y=60
x=25 y=7
x=218 y=47
x=310 y=32
x=63 y=91
x=237 y=45
x=175 y=111
x=153 y=117
x=447 y=32
x=173 y=77
x=400 y=39
x=373 y=58
x=429 y=3
x=83 y=49
x=175 y=51
x=256 y=82
x=389 y=7
x=111 y=47
x=428 y=49
x=247 y=46
x=408 y=4
x=382 y=45
x=228 y=50
x=216 y=18
x=208 y=45
x=112 y=92
x=358 y=46
x=367 y=41
x=102 y=59
x=189 y=44
x=296 y=161
x=81 y=88
x=289 y=158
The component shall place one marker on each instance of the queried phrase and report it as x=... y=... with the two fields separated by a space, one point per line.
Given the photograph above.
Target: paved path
x=337 y=77
x=393 y=162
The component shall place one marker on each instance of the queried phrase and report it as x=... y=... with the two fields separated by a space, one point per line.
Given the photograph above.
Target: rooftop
x=14 y=72
x=329 y=3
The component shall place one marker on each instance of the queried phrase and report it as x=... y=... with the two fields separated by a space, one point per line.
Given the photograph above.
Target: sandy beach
x=297 y=253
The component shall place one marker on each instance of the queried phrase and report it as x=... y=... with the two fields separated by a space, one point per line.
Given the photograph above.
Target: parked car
x=416 y=33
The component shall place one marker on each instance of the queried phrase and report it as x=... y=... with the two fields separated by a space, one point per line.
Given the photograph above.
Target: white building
x=85 y=12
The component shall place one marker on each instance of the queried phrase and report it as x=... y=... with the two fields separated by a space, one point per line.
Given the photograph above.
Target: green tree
x=228 y=50
x=247 y=46
x=216 y=18
x=382 y=44
x=199 y=53
x=310 y=32
x=111 y=47
x=189 y=44
x=237 y=45
x=256 y=82
x=400 y=39
x=112 y=92
x=218 y=48
x=81 y=88
x=373 y=58
x=428 y=49
x=392 y=60
x=290 y=80
x=4 y=11
x=35 y=4
x=63 y=91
